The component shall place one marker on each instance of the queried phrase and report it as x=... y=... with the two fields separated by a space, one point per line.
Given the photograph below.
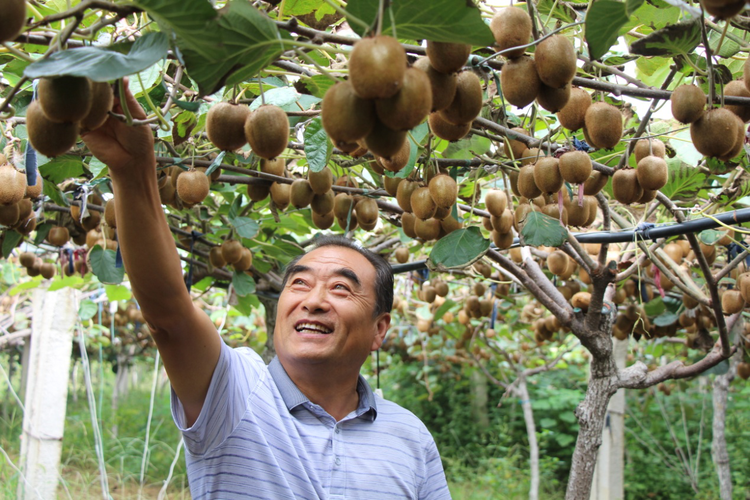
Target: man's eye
x=340 y=286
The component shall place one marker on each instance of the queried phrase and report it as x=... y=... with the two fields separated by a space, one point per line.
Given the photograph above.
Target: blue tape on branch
x=71 y=266
x=644 y=292
x=30 y=161
x=644 y=228
x=118 y=258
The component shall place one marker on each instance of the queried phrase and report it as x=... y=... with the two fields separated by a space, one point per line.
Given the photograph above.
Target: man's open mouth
x=312 y=328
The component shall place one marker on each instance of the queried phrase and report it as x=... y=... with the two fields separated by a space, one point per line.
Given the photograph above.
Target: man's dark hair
x=383 y=270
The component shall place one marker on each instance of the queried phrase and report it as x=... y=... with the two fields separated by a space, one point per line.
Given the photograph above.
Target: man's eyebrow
x=348 y=274
x=296 y=269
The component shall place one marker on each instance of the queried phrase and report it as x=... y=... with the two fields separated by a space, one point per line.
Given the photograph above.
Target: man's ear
x=382 y=323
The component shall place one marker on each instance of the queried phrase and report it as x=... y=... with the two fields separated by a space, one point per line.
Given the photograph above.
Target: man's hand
x=122 y=147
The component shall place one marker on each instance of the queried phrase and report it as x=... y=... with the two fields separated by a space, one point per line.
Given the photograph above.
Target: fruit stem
x=260 y=88
x=709 y=60
x=123 y=101
x=162 y=122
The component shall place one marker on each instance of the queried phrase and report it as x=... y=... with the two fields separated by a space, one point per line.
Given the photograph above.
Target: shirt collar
x=293 y=397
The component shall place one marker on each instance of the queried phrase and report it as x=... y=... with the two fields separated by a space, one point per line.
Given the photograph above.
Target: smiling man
x=307 y=426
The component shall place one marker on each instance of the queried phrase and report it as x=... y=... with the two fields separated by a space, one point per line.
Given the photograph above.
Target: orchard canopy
x=592 y=154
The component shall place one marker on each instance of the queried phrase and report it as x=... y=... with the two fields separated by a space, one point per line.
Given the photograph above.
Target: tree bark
x=719 y=442
x=528 y=415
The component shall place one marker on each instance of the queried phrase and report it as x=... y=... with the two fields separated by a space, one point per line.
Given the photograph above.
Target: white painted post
x=53 y=321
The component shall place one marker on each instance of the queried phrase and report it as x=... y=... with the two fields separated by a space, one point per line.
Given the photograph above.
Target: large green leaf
x=117 y=292
x=87 y=309
x=10 y=241
x=541 y=229
x=603 y=23
x=318 y=148
x=101 y=64
x=684 y=181
x=460 y=248
x=60 y=282
x=244 y=226
x=61 y=168
x=677 y=39
x=562 y=11
x=103 y=266
x=193 y=21
x=438 y=20
x=243 y=283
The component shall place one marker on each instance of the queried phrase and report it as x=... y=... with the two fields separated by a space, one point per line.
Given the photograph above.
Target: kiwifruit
x=110 y=218
x=399 y=160
x=746 y=73
x=49 y=138
x=743 y=284
x=343 y=204
x=321 y=181
x=12 y=185
x=443 y=190
x=384 y=141
x=496 y=202
x=443 y=85
x=323 y=221
x=175 y=171
x=652 y=172
x=167 y=192
x=557 y=262
x=715 y=133
x=27 y=259
x=404 y=192
x=58 y=236
x=603 y=125
x=267 y=131
x=732 y=302
x=555 y=59
x=47 y=270
x=402 y=256
x=515 y=146
x=193 y=186
x=447 y=57
x=467 y=102
x=511 y=28
x=547 y=175
x=739 y=143
x=594 y=183
x=225 y=125
x=502 y=240
x=231 y=250
x=422 y=204
x=347 y=181
x=520 y=81
x=35 y=191
x=555 y=211
x=572 y=115
x=688 y=103
x=504 y=223
x=737 y=88
x=526 y=183
x=625 y=186
x=346 y=117
x=410 y=105
x=428 y=229
x=12 y=20
x=102 y=98
x=408 y=221
x=552 y=99
x=367 y=211
x=577 y=215
x=281 y=194
x=245 y=262
x=390 y=184
x=723 y=9
x=322 y=203
x=377 y=66
x=276 y=166
x=581 y=300
x=647 y=196
x=9 y=214
x=450 y=224
x=575 y=167
x=446 y=130
x=743 y=370
x=216 y=257
x=647 y=147
x=25 y=225
x=348 y=223
x=301 y=193
x=65 y=99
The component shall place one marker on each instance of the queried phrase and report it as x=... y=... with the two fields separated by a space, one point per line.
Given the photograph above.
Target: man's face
x=325 y=311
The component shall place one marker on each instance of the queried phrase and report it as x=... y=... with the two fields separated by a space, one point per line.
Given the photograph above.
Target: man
x=306 y=426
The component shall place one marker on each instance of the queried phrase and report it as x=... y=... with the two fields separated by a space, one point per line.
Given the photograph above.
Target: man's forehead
x=334 y=258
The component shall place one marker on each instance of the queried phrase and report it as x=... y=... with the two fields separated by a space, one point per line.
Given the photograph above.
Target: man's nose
x=316 y=300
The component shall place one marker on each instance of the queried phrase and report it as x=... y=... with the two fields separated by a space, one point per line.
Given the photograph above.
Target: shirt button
x=338 y=431
x=337 y=461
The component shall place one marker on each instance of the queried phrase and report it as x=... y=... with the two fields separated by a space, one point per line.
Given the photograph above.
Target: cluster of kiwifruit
x=545 y=77
x=189 y=191
x=16 y=210
x=230 y=126
x=232 y=252
x=35 y=266
x=640 y=185
x=66 y=106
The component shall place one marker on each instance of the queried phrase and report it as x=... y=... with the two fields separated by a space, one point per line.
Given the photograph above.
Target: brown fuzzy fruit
x=446 y=130
x=321 y=181
x=225 y=125
x=323 y=203
x=715 y=133
x=427 y=229
x=575 y=167
x=648 y=147
x=467 y=102
x=572 y=115
x=267 y=131
x=557 y=262
x=448 y=57
x=384 y=141
x=65 y=99
x=193 y=186
x=346 y=117
x=555 y=59
x=739 y=143
x=377 y=66
x=13 y=19
x=9 y=214
x=48 y=270
x=34 y=191
x=410 y=105
x=277 y=166
x=422 y=204
x=110 y=218
x=551 y=99
x=402 y=255
x=496 y=202
x=443 y=190
x=516 y=147
x=443 y=85
x=520 y=81
x=732 y=302
x=511 y=28
x=526 y=183
x=404 y=192
x=343 y=204
x=743 y=370
x=12 y=185
x=652 y=173
x=390 y=184
x=398 y=161
x=216 y=257
x=367 y=211
x=102 y=98
x=408 y=221
x=301 y=193
x=594 y=183
x=603 y=125
x=737 y=88
x=281 y=194
x=723 y=9
x=58 y=236
x=245 y=262
x=581 y=300
x=231 y=250
x=547 y=175
x=323 y=221
x=688 y=103
x=625 y=186
x=49 y=138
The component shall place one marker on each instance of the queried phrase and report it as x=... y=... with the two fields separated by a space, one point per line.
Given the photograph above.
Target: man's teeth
x=313 y=327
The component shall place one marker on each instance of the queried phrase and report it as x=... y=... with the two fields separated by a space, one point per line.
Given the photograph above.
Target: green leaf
x=54 y=193
x=65 y=281
x=632 y=5
x=87 y=309
x=188 y=106
x=42 y=230
x=244 y=226
x=711 y=236
x=318 y=148
x=243 y=283
x=444 y=308
x=459 y=248
x=61 y=168
x=438 y=20
x=193 y=21
x=102 y=65
x=117 y=292
x=665 y=319
x=10 y=241
x=302 y=7
x=602 y=26
x=103 y=266
x=684 y=181
x=98 y=168
x=416 y=137
x=683 y=146
x=282 y=96
x=561 y=11
x=215 y=164
x=676 y=39
x=654 y=307
x=467 y=149
x=317 y=85
x=541 y=229
x=27 y=285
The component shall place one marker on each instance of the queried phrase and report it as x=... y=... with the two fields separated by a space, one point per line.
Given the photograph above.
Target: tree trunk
x=719 y=443
x=528 y=416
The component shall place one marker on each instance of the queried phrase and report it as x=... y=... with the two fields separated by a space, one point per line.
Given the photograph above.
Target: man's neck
x=334 y=391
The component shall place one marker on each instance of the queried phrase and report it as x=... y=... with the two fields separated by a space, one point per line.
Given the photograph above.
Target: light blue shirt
x=258 y=436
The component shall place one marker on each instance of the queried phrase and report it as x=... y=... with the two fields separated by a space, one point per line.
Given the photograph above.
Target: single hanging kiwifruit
x=404 y=192
x=443 y=85
x=399 y=160
x=323 y=221
x=267 y=131
x=102 y=98
x=444 y=190
x=13 y=19
x=277 y=166
x=520 y=81
x=231 y=250
x=511 y=28
x=723 y=9
x=193 y=186
x=301 y=193
x=446 y=130
x=625 y=186
x=515 y=146
x=737 y=88
x=343 y=204
x=594 y=183
x=377 y=66
x=739 y=143
x=555 y=59
x=384 y=141
x=467 y=102
x=367 y=211
x=12 y=185
x=448 y=57
x=321 y=181
x=323 y=203
x=526 y=183
x=346 y=117
x=65 y=99
x=547 y=175
x=9 y=214
x=572 y=115
x=496 y=202
x=225 y=125
x=390 y=184
x=575 y=167
x=603 y=125
x=422 y=204
x=715 y=133
x=652 y=172
x=647 y=147
x=688 y=103
x=49 y=138
x=552 y=99
x=409 y=106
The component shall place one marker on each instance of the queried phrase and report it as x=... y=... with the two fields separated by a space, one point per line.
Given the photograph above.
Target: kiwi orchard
x=479 y=146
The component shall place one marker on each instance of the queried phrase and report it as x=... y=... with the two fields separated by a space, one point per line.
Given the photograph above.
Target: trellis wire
x=163 y=490
x=148 y=424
